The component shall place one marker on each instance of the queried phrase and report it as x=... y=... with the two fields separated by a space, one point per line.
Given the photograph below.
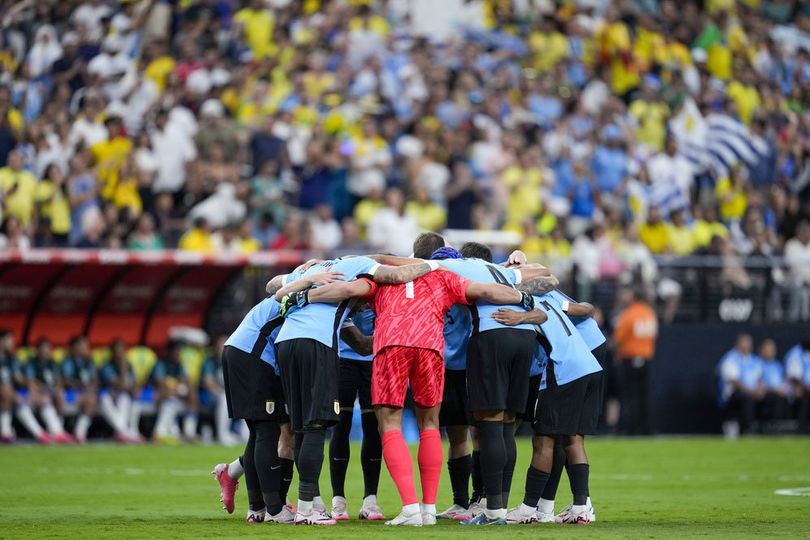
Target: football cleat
x=517 y=517
x=286 y=516
x=255 y=517
x=45 y=438
x=313 y=518
x=477 y=508
x=482 y=519
x=339 y=509
x=542 y=517
x=227 y=486
x=63 y=438
x=570 y=517
x=406 y=520
x=372 y=512
x=428 y=519
x=453 y=512
x=563 y=516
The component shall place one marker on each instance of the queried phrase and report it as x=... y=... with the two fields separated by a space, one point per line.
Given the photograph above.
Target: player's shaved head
x=426 y=243
x=474 y=250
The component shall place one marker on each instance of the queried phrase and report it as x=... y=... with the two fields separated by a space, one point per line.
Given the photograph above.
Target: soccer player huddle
x=481 y=347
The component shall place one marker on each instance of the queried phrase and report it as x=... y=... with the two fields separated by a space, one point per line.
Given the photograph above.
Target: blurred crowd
x=757 y=387
x=602 y=133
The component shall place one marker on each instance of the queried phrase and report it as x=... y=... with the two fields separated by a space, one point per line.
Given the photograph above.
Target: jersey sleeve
x=793 y=365
x=456 y=288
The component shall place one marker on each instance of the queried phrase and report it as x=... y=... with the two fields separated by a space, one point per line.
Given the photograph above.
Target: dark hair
x=474 y=250
x=4 y=333
x=75 y=340
x=426 y=243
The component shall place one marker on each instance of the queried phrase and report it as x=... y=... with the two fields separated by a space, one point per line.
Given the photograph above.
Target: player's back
x=482 y=271
x=570 y=357
x=412 y=314
x=321 y=321
x=263 y=318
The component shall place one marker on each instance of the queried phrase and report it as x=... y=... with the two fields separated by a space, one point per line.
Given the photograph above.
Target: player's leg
x=113 y=415
x=6 y=407
x=475 y=474
x=53 y=421
x=427 y=385
x=26 y=417
x=191 y=403
x=257 y=511
x=453 y=417
x=168 y=408
x=265 y=458
x=87 y=403
x=511 y=455
x=545 y=508
x=286 y=456
x=371 y=448
x=339 y=448
x=389 y=384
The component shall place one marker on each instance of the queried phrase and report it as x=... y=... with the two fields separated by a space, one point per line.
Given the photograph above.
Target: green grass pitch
x=642 y=488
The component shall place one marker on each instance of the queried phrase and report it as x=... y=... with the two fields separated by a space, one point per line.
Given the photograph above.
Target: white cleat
x=542 y=517
x=285 y=517
x=255 y=517
x=477 y=508
x=428 y=519
x=314 y=518
x=339 y=509
x=453 y=511
x=571 y=517
x=371 y=511
x=407 y=520
x=520 y=516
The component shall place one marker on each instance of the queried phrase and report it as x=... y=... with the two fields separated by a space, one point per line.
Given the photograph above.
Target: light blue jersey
x=738 y=368
x=797 y=364
x=364 y=321
x=319 y=321
x=483 y=272
x=571 y=359
x=257 y=332
x=588 y=328
x=773 y=374
x=457 y=328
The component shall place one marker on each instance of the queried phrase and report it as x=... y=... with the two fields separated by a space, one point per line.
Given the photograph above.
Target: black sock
x=535 y=482
x=459 y=469
x=370 y=454
x=493 y=460
x=310 y=461
x=286 y=477
x=550 y=491
x=267 y=464
x=339 y=453
x=578 y=478
x=475 y=474
x=254 y=490
x=511 y=458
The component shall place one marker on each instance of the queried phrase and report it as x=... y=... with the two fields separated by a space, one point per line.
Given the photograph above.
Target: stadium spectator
x=742 y=388
x=391 y=228
x=10 y=381
x=634 y=336
x=212 y=392
x=797 y=258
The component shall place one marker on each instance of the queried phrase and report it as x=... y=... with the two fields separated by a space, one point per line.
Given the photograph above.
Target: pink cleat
x=227 y=486
x=45 y=438
x=64 y=438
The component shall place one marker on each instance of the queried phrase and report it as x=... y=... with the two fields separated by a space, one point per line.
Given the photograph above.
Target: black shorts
x=252 y=388
x=527 y=414
x=600 y=353
x=498 y=365
x=454 y=410
x=355 y=382
x=310 y=375
x=570 y=409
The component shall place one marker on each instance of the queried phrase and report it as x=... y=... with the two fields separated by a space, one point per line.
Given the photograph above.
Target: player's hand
x=293 y=301
x=517 y=258
x=326 y=277
x=509 y=317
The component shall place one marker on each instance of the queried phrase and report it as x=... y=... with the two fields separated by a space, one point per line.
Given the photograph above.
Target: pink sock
x=430 y=463
x=400 y=466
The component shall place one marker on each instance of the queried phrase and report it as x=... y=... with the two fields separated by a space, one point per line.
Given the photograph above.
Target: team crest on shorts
x=270 y=406
x=337 y=407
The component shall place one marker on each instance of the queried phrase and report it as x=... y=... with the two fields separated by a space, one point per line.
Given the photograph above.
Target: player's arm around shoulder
x=397 y=275
x=579 y=309
x=511 y=317
x=338 y=291
x=320 y=278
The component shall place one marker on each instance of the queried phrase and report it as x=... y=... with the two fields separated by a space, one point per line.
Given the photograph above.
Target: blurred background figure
x=634 y=337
